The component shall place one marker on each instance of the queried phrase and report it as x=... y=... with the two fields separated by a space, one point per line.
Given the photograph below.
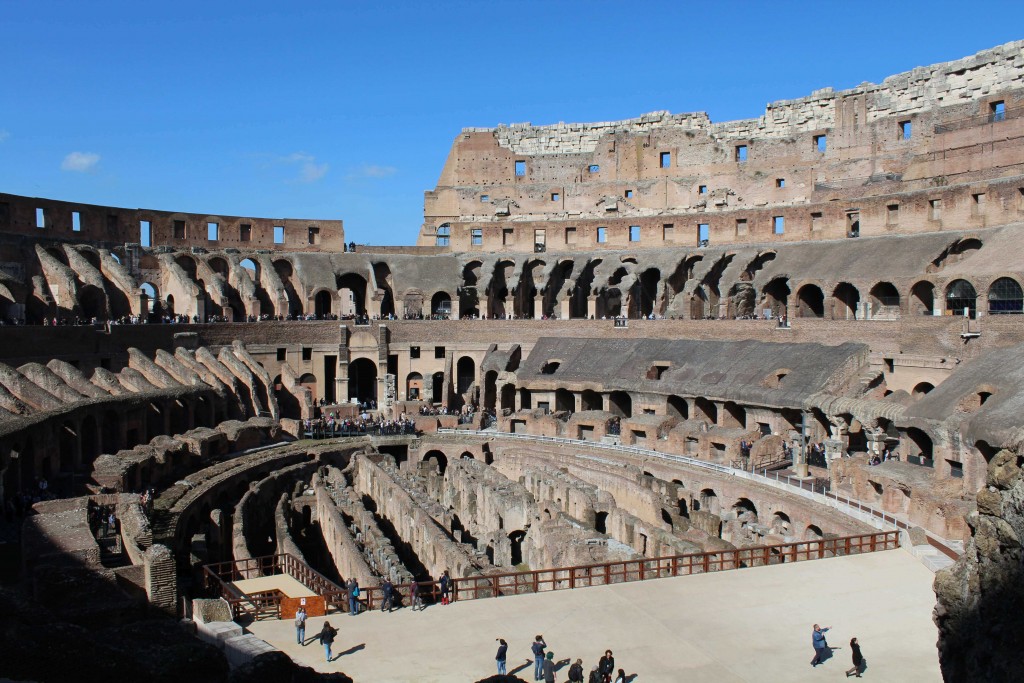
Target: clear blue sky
x=347 y=110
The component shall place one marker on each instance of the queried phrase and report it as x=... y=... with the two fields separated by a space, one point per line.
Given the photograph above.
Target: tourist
x=446 y=584
x=414 y=596
x=300 y=626
x=327 y=634
x=607 y=666
x=820 y=645
x=502 y=656
x=595 y=675
x=549 y=668
x=621 y=677
x=352 y=586
x=576 y=672
x=388 y=589
x=538 y=648
x=858 y=660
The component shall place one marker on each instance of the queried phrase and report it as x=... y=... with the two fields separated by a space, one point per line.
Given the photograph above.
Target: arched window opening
x=443 y=235
x=323 y=305
x=441 y=305
x=885 y=301
x=709 y=502
x=516 y=546
x=961 y=297
x=845 y=300
x=621 y=404
x=706 y=410
x=564 y=401
x=439 y=460
x=774 y=297
x=921 y=389
x=465 y=371
x=590 y=400
x=810 y=301
x=362 y=380
x=922 y=298
x=677 y=407
x=414 y=386
x=1005 y=296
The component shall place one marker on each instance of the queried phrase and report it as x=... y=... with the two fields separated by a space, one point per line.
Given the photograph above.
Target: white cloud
x=80 y=162
x=4 y=135
x=309 y=170
x=373 y=171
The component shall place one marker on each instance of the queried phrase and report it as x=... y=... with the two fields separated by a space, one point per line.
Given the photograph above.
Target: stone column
x=538 y=307
x=160 y=581
x=591 y=306
x=876 y=439
x=373 y=303
x=834 y=449
x=564 y=308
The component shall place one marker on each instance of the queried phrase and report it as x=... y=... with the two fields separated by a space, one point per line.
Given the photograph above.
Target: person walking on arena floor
x=326 y=636
x=858 y=660
x=820 y=645
x=300 y=626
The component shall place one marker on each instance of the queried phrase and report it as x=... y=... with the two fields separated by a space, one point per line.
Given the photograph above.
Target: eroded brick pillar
x=161 y=580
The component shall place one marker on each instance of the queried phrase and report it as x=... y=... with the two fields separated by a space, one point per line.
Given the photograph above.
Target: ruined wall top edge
x=906 y=93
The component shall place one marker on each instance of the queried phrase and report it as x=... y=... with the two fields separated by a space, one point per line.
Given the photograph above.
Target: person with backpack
x=300 y=626
x=537 y=647
x=327 y=634
x=576 y=672
x=353 y=596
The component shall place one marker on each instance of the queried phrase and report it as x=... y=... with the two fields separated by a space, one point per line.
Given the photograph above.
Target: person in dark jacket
x=502 y=655
x=537 y=648
x=858 y=660
x=576 y=672
x=389 y=596
x=607 y=666
x=327 y=634
x=446 y=585
x=595 y=675
x=549 y=668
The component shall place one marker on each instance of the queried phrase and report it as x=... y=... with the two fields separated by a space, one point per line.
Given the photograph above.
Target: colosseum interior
x=613 y=343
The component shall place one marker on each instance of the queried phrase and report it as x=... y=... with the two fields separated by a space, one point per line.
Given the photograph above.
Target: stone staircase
x=931 y=557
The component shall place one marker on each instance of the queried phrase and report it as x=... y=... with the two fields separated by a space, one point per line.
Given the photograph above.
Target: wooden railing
x=219 y=577
x=538 y=580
